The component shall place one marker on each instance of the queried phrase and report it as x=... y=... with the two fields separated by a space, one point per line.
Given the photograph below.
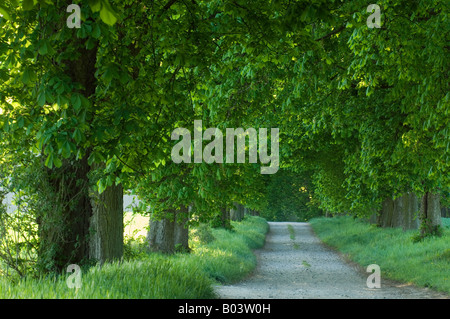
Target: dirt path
x=305 y=268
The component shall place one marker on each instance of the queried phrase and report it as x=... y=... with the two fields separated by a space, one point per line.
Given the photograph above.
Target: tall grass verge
x=229 y=257
x=225 y=256
x=425 y=263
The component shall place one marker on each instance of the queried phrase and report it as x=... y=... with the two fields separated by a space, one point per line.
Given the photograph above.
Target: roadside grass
x=425 y=263
x=226 y=257
x=229 y=258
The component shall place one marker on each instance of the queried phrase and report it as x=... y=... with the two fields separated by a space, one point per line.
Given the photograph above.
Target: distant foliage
x=289 y=198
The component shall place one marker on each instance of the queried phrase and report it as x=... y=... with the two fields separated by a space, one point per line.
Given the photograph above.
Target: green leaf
x=57 y=162
x=20 y=122
x=96 y=32
x=28 y=4
x=76 y=102
x=49 y=161
x=26 y=77
x=107 y=13
x=65 y=150
x=95 y=5
x=90 y=43
x=101 y=185
x=95 y=157
x=41 y=98
x=109 y=180
x=43 y=49
x=77 y=135
x=4 y=12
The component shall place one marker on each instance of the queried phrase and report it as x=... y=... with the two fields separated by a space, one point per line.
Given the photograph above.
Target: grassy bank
x=425 y=263
x=217 y=256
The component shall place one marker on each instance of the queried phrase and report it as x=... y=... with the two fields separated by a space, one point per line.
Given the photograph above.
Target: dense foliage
x=363 y=113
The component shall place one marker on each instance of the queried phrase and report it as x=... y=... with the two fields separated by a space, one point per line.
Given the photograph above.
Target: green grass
x=229 y=257
x=425 y=263
x=226 y=258
x=291 y=231
x=292 y=236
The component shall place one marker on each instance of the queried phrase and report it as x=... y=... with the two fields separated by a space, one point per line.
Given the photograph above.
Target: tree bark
x=412 y=212
x=445 y=212
x=64 y=226
x=387 y=210
x=161 y=235
x=181 y=231
x=241 y=211
x=223 y=219
x=236 y=212
x=430 y=213
x=233 y=214
x=400 y=212
x=398 y=218
x=106 y=241
x=170 y=233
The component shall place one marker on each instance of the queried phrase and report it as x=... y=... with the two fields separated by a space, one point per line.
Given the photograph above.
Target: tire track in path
x=305 y=268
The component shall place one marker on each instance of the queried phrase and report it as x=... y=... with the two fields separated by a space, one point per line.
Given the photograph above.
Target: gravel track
x=306 y=268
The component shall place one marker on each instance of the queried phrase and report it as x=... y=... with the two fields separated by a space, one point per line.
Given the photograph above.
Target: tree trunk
x=241 y=211
x=445 y=212
x=64 y=228
x=161 y=236
x=430 y=213
x=400 y=212
x=224 y=218
x=171 y=233
x=412 y=210
x=181 y=231
x=387 y=210
x=235 y=212
x=398 y=218
x=64 y=225
x=106 y=241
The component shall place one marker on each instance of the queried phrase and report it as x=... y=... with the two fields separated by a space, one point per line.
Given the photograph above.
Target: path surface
x=305 y=268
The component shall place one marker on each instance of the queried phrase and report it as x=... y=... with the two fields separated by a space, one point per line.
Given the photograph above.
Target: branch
x=332 y=33
x=166 y=7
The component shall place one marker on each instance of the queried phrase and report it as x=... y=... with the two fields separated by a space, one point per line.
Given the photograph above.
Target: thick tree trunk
x=412 y=212
x=387 y=211
x=225 y=218
x=241 y=211
x=400 y=212
x=181 y=231
x=445 y=212
x=64 y=228
x=398 y=218
x=106 y=241
x=236 y=212
x=161 y=236
x=430 y=213
x=171 y=233
x=64 y=225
